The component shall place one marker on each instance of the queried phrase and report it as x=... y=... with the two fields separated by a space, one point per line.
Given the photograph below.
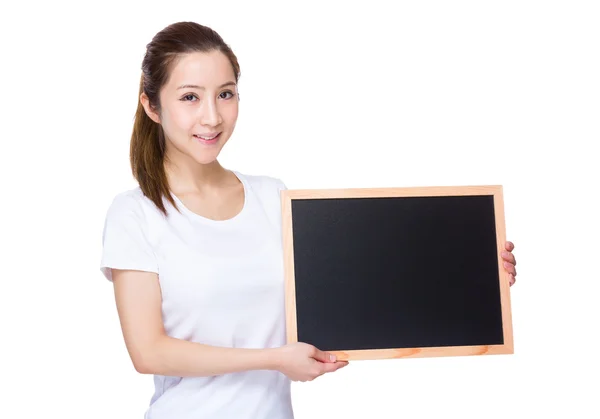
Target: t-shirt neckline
x=201 y=218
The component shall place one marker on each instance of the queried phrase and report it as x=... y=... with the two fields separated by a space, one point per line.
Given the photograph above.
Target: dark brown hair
x=147 y=148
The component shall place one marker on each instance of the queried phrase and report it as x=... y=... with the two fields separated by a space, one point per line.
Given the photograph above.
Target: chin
x=206 y=155
x=205 y=159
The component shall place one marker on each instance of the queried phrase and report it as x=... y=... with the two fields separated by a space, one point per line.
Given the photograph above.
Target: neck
x=191 y=176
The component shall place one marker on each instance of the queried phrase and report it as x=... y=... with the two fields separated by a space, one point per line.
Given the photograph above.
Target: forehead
x=208 y=69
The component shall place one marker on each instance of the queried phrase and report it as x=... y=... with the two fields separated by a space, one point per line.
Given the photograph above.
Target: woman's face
x=199 y=107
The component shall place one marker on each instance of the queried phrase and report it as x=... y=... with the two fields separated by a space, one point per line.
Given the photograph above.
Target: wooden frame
x=287 y=196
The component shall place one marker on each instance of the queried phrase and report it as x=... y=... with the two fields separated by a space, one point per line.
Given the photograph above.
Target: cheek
x=230 y=113
x=179 y=120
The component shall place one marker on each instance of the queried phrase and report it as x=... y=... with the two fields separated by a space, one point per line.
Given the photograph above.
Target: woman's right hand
x=303 y=362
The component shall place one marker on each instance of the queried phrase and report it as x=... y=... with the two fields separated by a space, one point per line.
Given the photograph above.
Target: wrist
x=271 y=359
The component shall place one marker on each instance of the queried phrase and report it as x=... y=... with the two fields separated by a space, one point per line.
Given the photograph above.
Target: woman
x=212 y=329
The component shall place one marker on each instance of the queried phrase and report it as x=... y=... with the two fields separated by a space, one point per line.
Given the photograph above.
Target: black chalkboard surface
x=397 y=272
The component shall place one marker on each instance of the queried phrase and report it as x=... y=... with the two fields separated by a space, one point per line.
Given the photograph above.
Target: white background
x=332 y=95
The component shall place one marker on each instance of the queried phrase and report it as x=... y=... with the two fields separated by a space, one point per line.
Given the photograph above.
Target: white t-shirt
x=222 y=284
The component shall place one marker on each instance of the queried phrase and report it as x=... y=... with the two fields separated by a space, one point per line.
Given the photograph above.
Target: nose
x=210 y=114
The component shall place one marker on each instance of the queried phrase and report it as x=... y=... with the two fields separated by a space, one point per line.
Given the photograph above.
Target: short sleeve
x=125 y=242
x=281 y=186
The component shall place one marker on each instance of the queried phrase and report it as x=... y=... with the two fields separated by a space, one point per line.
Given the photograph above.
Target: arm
x=138 y=300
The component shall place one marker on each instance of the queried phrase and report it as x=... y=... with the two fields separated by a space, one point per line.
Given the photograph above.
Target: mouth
x=208 y=138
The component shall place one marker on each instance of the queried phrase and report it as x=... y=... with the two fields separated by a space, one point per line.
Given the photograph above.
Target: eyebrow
x=195 y=86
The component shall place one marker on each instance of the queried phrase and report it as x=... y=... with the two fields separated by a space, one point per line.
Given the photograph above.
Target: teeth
x=205 y=138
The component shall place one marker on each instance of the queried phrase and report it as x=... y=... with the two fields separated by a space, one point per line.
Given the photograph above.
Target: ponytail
x=146 y=155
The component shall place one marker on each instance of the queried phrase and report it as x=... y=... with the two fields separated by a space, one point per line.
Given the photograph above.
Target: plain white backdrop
x=333 y=94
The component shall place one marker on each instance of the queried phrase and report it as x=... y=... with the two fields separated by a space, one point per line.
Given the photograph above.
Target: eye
x=188 y=98
x=226 y=93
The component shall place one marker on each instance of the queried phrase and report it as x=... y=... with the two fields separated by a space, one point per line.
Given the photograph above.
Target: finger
x=330 y=367
x=509 y=257
x=510 y=268
x=342 y=364
x=510 y=246
x=511 y=279
x=323 y=356
x=334 y=366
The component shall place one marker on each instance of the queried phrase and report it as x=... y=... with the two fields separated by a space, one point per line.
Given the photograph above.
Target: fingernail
x=504 y=254
x=332 y=358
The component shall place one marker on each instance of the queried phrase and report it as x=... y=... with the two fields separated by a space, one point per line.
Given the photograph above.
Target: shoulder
x=131 y=205
x=129 y=200
x=263 y=183
x=126 y=237
x=267 y=190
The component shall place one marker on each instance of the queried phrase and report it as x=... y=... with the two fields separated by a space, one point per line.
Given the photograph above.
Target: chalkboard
x=397 y=272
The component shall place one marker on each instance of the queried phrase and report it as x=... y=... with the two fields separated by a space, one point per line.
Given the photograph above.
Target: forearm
x=175 y=357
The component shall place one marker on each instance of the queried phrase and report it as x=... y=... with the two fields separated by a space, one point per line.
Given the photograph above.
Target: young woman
x=195 y=252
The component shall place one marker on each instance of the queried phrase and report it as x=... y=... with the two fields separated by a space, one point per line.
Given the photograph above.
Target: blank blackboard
x=397 y=272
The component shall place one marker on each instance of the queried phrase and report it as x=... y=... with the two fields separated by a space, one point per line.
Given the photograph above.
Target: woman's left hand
x=510 y=262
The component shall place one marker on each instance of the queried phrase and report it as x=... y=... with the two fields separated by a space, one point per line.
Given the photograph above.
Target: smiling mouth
x=208 y=139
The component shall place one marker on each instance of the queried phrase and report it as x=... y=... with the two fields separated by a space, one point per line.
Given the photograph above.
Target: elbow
x=144 y=362
x=147 y=356
x=142 y=367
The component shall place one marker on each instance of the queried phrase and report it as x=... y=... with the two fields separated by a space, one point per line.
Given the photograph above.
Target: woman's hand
x=303 y=362
x=510 y=262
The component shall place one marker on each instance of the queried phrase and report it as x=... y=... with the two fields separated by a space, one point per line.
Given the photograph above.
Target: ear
x=149 y=111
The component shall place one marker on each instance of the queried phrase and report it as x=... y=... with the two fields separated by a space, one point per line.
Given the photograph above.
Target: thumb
x=323 y=356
